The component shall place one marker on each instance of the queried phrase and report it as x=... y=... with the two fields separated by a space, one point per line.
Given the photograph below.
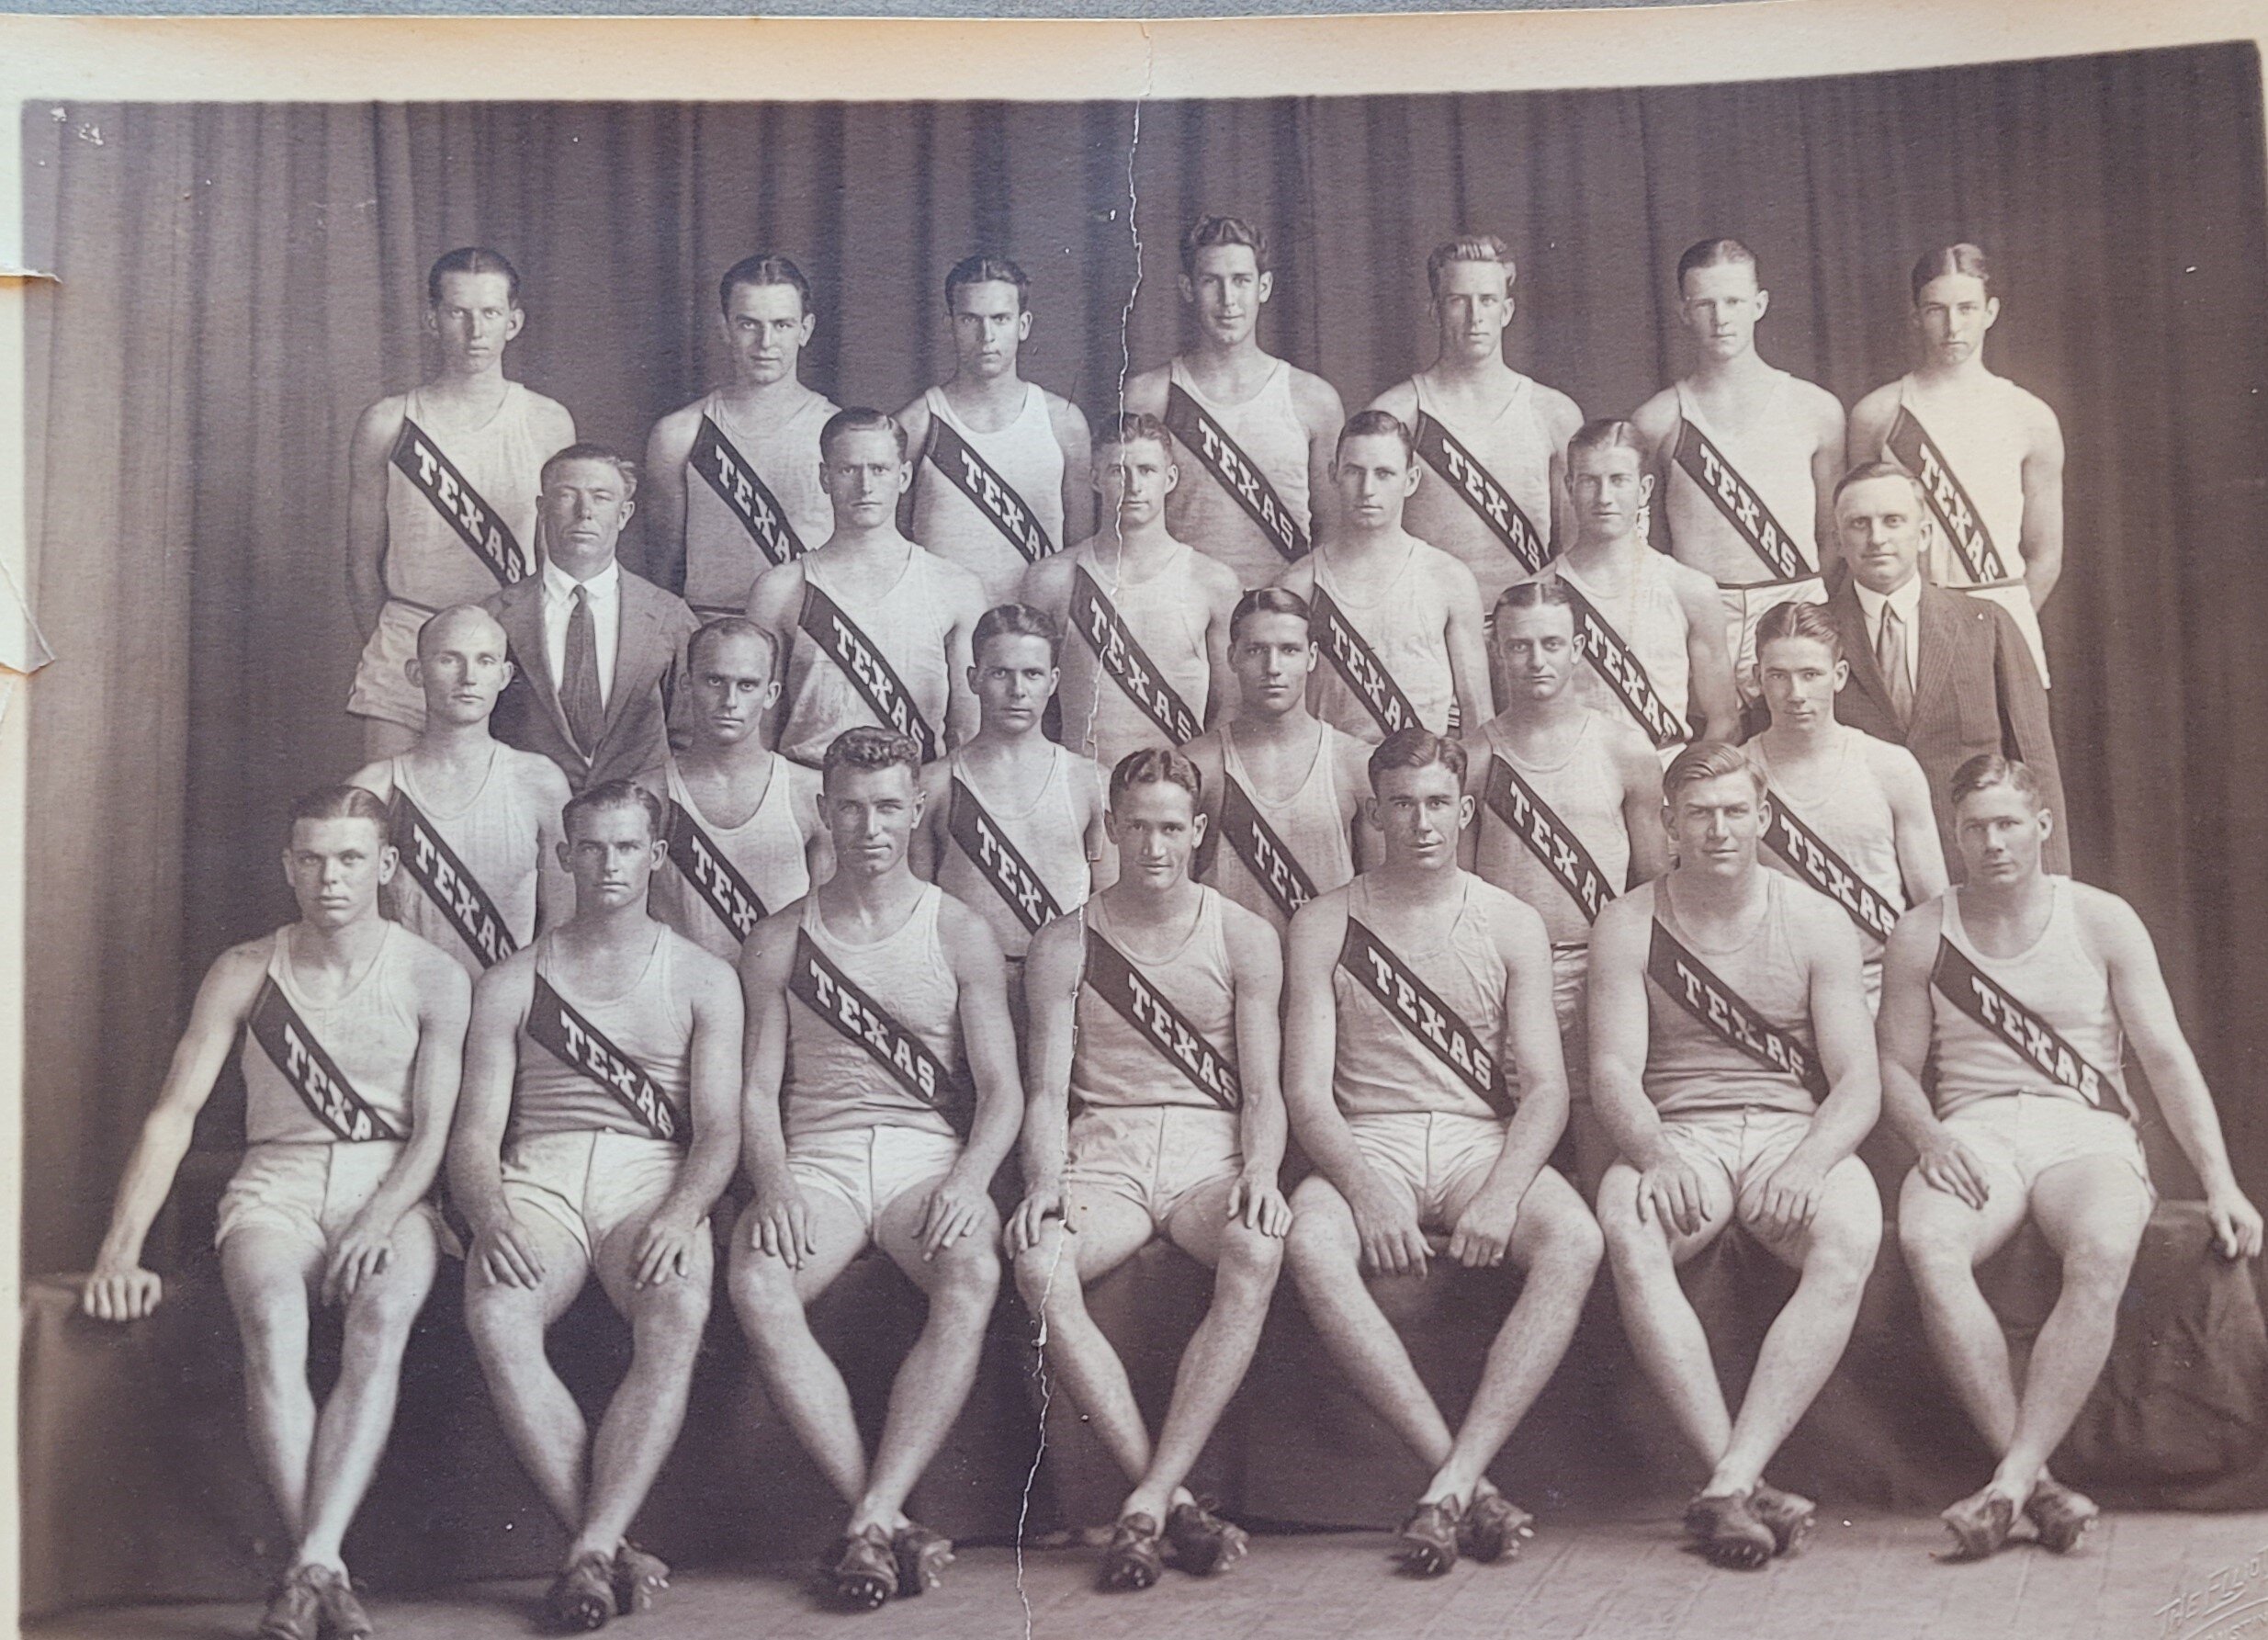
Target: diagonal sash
x=734 y=477
x=1815 y=861
x=1112 y=975
x=715 y=878
x=1358 y=664
x=1618 y=664
x=2037 y=1043
x=870 y=671
x=835 y=997
x=1956 y=515
x=1688 y=981
x=563 y=1032
x=1479 y=489
x=1267 y=857
x=998 y=859
x=433 y=476
x=990 y=494
x=1743 y=508
x=448 y=883
x=1420 y=1010
x=314 y=1076
x=1235 y=471
x=1097 y=619
x=1528 y=817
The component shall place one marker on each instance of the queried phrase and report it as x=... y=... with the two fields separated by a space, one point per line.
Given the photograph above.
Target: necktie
x=1890 y=652
x=579 y=689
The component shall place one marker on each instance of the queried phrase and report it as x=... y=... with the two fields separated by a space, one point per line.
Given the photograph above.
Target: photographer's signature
x=2230 y=1604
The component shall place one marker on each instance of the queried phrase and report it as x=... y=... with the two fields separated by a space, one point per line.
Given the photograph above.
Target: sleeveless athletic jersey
x=909 y=623
x=427 y=563
x=1585 y=790
x=1773 y=456
x=1516 y=449
x=496 y=834
x=1046 y=831
x=722 y=560
x=767 y=849
x=1267 y=428
x=1403 y=626
x=1114 y=1064
x=1689 y=1067
x=644 y=1020
x=834 y=1085
x=1311 y=822
x=1851 y=813
x=371 y=1034
x=1028 y=456
x=1381 y=1065
x=1648 y=617
x=2059 y=980
x=1167 y=615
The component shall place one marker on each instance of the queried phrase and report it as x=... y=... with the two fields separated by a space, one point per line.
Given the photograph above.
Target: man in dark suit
x=596 y=649
x=1945 y=675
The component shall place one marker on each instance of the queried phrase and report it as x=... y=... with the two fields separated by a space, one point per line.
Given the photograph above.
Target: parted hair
x=1156 y=765
x=1707 y=760
x=1607 y=433
x=1990 y=769
x=860 y=419
x=1016 y=621
x=1376 y=424
x=1124 y=429
x=730 y=626
x=1537 y=595
x=1469 y=247
x=763 y=269
x=869 y=748
x=1867 y=470
x=1418 y=747
x=1798 y=619
x=340 y=802
x=472 y=259
x=1268 y=600
x=615 y=794
x=982 y=269
x=1963 y=258
x=589 y=450
x=1712 y=253
x=1209 y=231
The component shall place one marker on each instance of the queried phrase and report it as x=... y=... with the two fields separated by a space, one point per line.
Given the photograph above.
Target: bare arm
x=1708 y=662
x=1311 y=1040
x=1468 y=652
x=445 y=1007
x=1844 y=1033
x=925 y=850
x=2042 y=540
x=1913 y=826
x=1641 y=810
x=662 y=498
x=1828 y=466
x=1621 y=1030
x=1221 y=690
x=1531 y=1028
x=1656 y=421
x=774 y=603
x=1102 y=853
x=961 y=707
x=1256 y=959
x=1051 y=981
x=665 y=1245
x=1564 y=418
x=366 y=455
x=555 y=886
x=1323 y=414
x=499 y=1254
x=988 y=1038
x=782 y=1225
x=915 y=419
x=818 y=845
x=1370 y=843
x=1079 y=459
x=1870 y=426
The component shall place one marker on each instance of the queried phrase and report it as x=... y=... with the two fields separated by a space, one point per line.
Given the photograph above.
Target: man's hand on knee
x=1484 y=1228
x=1790 y=1197
x=121 y=1295
x=1670 y=1192
x=505 y=1254
x=365 y=1250
x=779 y=1223
x=1946 y=1164
x=665 y=1247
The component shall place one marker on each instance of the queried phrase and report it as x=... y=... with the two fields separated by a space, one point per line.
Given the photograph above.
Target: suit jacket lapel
x=636 y=663
x=1934 y=662
x=1850 y=618
x=522 y=618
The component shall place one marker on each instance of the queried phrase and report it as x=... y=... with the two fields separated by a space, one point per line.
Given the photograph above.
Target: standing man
x=1423 y=1078
x=873 y=630
x=475 y=824
x=1744 y=456
x=1732 y=1062
x=2008 y=1004
x=1150 y=614
x=441 y=486
x=352 y=1033
x=1944 y=675
x=1155 y=1015
x=879 y=1096
x=1002 y=468
x=1258 y=432
x=595 y=650
x=601 y=1066
x=1398 y=621
x=733 y=477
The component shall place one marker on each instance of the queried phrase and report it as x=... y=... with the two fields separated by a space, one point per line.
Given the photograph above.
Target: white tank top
x=1516 y=449
x=1045 y=831
x=722 y=560
x=1382 y=1067
x=767 y=849
x=1405 y=626
x=1851 y=813
x=1113 y=1063
x=427 y=563
x=834 y=1084
x=2059 y=980
x=1690 y=1068
x=1584 y=789
x=498 y=835
x=1167 y=615
x=1650 y=621
x=1312 y=822
x=909 y=624
x=371 y=1034
x=647 y=1020
x=1028 y=456
x=1773 y=456
x=1267 y=428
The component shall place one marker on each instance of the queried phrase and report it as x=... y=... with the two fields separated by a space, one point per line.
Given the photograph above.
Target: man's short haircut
x=1016 y=621
x=861 y=420
x=1608 y=432
x=1962 y=258
x=1268 y=600
x=1156 y=765
x=1133 y=426
x=1376 y=424
x=587 y=450
x=1533 y=594
x=431 y=623
x=1866 y=471
x=1796 y=618
x=1207 y=231
x=1707 y=760
x=342 y=802
x=981 y=269
x=1990 y=769
x=1715 y=253
x=1469 y=247
x=730 y=626
x=1418 y=747
x=762 y=269
x=472 y=259
x=616 y=794
x=869 y=749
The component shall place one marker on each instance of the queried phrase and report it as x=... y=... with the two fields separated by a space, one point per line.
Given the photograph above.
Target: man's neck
x=589 y=571
x=484 y=386
x=1968 y=373
x=1890 y=592
x=1448 y=365
x=744 y=393
x=993 y=392
x=879 y=543
x=1359 y=543
x=1253 y=726
x=1408 y=883
x=1743 y=368
x=747 y=755
x=2012 y=904
x=1133 y=900
x=602 y=926
x=1709 y=894
x=453 y=745
x=1590 y=553
x=1527 y=718
x=1217 y=354
x=992 y=743
x=347 y=945
x=865 y=899
x=1136 y=543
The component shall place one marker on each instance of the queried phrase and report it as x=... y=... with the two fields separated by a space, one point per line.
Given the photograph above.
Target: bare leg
x=1664 y=1333
x=1944 y=1239
x=768 y=1297
x=1100 y=1231
x=269 y=1274
x=507 y=1325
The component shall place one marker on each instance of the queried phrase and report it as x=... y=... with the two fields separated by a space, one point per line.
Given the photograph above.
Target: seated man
x=353 y=1032
x=1736 y=1088
x=1156 y=1012
x=2007 y=1007
x=602 y=1064
x=879 y=1098
x=1420 y=999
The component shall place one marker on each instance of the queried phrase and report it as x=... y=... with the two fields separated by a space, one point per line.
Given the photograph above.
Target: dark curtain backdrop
x=236 y=282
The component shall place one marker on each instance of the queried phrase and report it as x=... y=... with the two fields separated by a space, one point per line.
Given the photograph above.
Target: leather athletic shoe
x=1204 y=1543
x=295 y=1610
x=1429 y=1538
x=343 y=1614
x=865 y=1569
x=1493 y=1528
x=1789 y=1519
x=922 y=1556
x=639 y=1579
x=1979 y=1524
x=1134 y=1558
x=2059 y=1515
x=1731 y=1536
x=583 y=1597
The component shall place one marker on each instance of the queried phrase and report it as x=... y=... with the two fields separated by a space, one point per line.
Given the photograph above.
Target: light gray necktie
x=1890 y=653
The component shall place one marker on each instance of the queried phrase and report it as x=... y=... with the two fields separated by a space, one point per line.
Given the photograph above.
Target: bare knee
x=1567 y=1242
x=673 y=1310
x=1322 y=1238
x=966 y=1276
x=2098 y=1259
x=504 y=1323
x=1047 y=1277
x=1249 y=1262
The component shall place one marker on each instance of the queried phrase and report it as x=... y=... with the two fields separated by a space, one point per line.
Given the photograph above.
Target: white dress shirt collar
x=1907 y=602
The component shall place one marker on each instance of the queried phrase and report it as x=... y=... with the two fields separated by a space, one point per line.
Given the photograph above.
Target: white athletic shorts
x=1153 y=1155
x=313 y=1191
x=2021 y=1136
x=1439 y=1155
x=1744 y=1143
x=1571 y=989
x=588 y=1181
x=382 y=688
x=869 y=1168
x=1745 y=607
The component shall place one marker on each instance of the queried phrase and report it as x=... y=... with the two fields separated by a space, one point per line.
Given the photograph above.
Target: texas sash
x=870 y=671
x=1615 y=661
x=1358 y=664
x=1266 y=855
x=1463 y=471
x=433 y=476
x=445 y=879
x=1235 y=471
x=1743 y=508
x=314 y=1076
x=1817 y=863
x=990 y=494
x=716 y=879
x=1687 y=980
x=1909 y=444
x=1112 y=976
x=1528 y=817
x=1419 y=1009
x=998 y=859
x=1096 y=621
x=2037 y=1043
x=835 y=997
x=744 y=494
x=579 y=1045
